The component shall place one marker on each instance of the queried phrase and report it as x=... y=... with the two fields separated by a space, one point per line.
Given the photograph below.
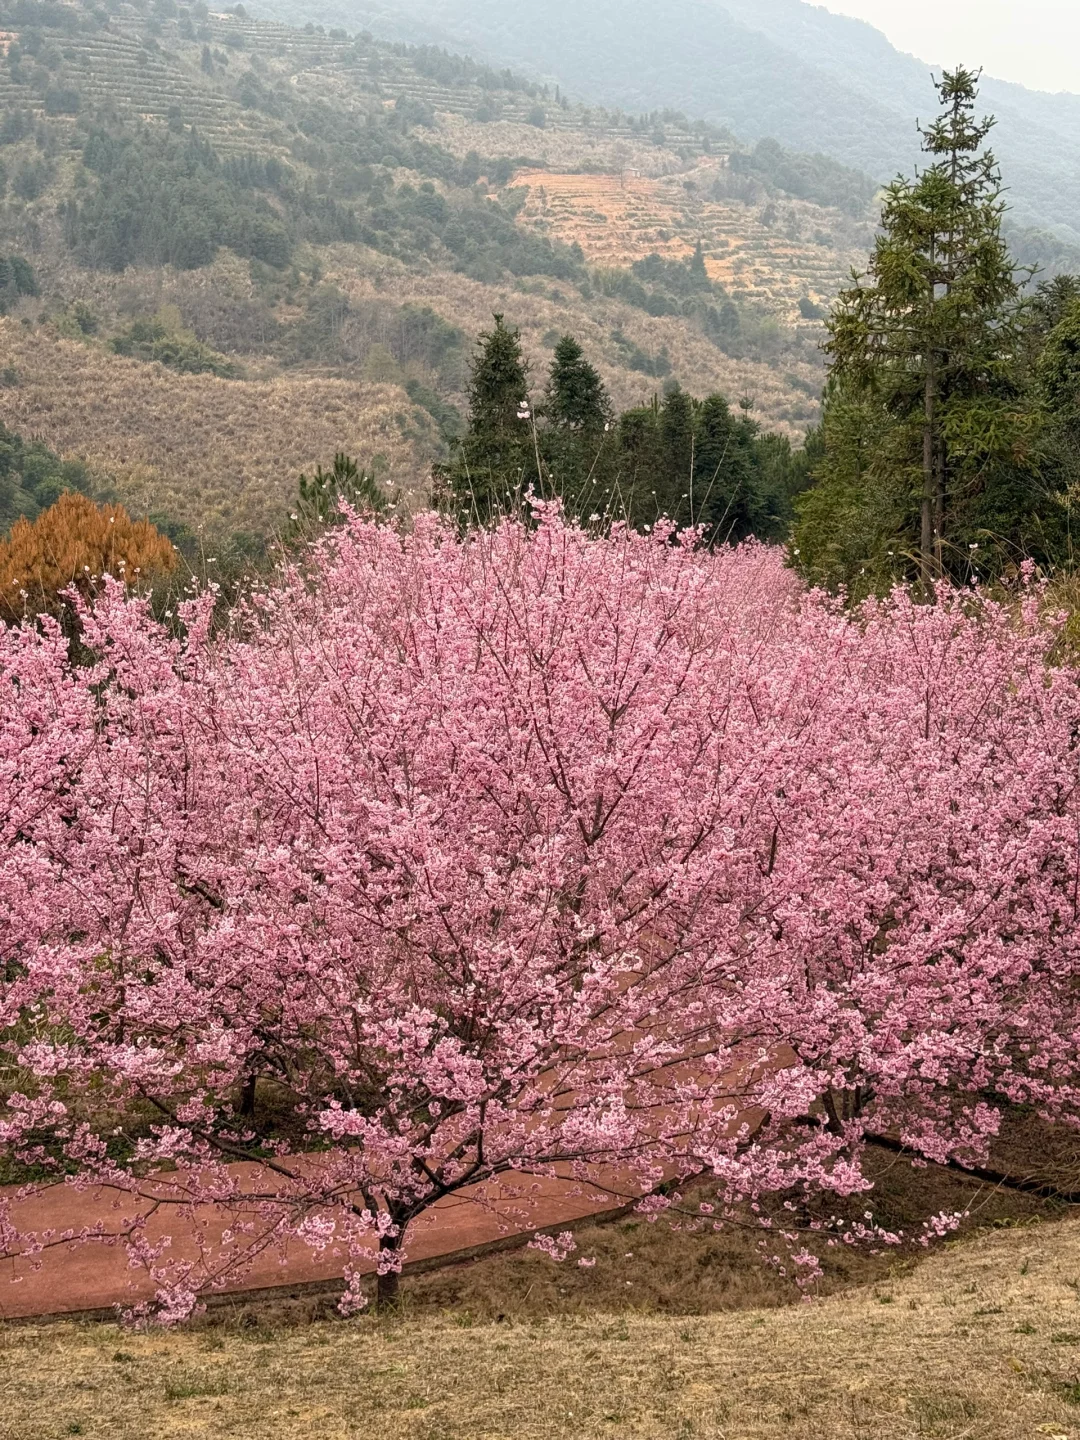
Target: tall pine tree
x=576 y=398
x=576 y=445
x=926 y=352
x=494 y=464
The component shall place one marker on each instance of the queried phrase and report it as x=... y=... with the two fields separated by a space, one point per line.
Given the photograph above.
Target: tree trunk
x=939 y=509
x=388 y=1287
x=929 y=543
x=247 y=1098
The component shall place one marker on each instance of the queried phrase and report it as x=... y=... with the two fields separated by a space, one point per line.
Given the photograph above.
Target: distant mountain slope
x=782 y=68
x=230 y=248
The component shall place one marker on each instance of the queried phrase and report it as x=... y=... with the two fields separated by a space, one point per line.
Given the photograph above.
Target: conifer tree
x=725 y=498
x=73 y=545
x=576 y=445
x=576 y=397
x=320 y=498
x=494 y=464
x=678 y=440
x=928 y=347
x=699 y=274
x=641 y=463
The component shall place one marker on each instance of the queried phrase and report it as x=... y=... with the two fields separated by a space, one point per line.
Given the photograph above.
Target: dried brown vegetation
x=981 y=1340
x=224 y=453
x=567 y=146
x=773 y=253
x=784 y=399
x=70 y=545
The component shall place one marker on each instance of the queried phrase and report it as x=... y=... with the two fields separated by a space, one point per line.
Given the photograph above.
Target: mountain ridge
x=847 y=91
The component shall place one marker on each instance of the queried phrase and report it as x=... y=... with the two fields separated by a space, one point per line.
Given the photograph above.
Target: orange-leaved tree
x=74 y=543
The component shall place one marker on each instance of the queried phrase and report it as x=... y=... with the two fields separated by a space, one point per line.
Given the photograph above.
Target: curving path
x=95 y=1276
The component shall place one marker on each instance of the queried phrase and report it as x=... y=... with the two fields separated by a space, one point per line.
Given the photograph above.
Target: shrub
x=74 y=544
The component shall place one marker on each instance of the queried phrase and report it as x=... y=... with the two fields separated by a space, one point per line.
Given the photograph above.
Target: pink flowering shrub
x=463 y=861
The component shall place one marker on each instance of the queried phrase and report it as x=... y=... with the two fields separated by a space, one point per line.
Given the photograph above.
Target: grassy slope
x=785 y=398
x=979 y=1341
x=226 y=453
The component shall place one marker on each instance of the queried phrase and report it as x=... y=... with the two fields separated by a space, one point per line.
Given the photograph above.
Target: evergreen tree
x=576 y=397
x=672 y=484
x=854 y=529
x=680 y=459
x=576 y=445
x=725 y=499
x=494 y=464
x=1052 y=302
x=1058 y=374
x=640 y=463
x=926 y=355
x=320 y=498
x=699 y=274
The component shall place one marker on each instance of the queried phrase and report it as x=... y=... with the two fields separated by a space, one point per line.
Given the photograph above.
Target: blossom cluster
x=459 y=861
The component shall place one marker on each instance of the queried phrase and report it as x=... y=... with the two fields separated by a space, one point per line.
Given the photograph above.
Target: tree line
x=686 y=461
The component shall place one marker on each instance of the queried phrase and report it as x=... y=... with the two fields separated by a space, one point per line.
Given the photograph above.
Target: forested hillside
x=768 y=68
x=208 y=215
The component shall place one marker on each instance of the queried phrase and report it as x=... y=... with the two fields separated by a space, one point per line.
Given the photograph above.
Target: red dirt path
x=93 y=1275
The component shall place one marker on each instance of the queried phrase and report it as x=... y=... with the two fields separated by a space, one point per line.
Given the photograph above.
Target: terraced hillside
x=320 y=210
x=119 y=72
x=778 y=255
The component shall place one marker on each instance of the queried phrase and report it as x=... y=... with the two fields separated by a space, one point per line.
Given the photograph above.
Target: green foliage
x=446 y=416
x=320 y=499
x=151 y=338
x=687 y=461
x=857 y=522
x=43 y=14
x=816 y=178
x=17 y=278
x=492 y=467
x=660 y=286
x=169 y=198
x=931 y=433
x=62 y=100
x=32 y=179
x=635 y=358
x=576 y=398
x=443 y=218
x=162 y=200
x=15 y=126
x=1057 y=310
x=440 y=65
x=694 y=462
x=32 y=478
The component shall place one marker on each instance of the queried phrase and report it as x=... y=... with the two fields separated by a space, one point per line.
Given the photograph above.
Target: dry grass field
x=669 y=1336
x=221 y=453
x=980 y=1342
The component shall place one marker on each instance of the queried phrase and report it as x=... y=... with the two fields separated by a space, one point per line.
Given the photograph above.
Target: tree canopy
x=932 y=431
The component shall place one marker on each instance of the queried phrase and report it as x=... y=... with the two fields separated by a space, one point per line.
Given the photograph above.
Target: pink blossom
x=531 y=854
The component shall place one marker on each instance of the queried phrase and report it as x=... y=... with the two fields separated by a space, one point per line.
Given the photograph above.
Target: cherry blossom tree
x=464 y=862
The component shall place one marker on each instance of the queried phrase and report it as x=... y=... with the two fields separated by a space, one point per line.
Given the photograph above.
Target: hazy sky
x=1036 y=42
